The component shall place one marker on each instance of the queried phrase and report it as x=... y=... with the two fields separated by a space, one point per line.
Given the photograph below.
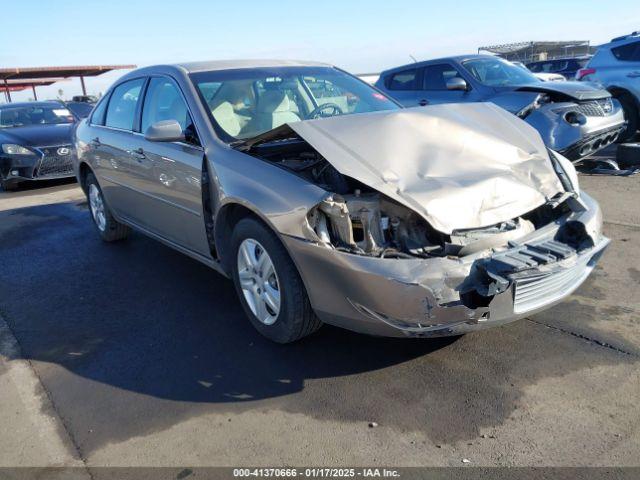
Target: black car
x=35 y=142
x=567 y=67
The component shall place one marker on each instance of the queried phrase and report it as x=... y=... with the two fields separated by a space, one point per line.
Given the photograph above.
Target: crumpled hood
x=460 y=166
x=576 y=91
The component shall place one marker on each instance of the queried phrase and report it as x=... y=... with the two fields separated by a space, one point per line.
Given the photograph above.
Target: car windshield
x=21 y=116
x=495 y=72
x=245 y=103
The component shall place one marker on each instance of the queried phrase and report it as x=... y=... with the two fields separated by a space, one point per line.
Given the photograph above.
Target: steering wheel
x=317 y=112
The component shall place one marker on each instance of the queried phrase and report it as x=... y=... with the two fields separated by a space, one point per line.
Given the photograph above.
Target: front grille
x=534 y=292
x=596 y=108
x=56 y=162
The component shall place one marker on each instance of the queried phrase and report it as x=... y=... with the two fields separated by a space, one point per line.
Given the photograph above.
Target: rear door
x=111 y=148
x=404 y=86
x=171 y=183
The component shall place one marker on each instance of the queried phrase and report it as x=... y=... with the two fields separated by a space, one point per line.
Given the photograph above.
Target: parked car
x=616 y=66
x=567 y=67
x=35 y=140
x=325 y=201
x=85 y=98
x=575 y=119
x=545 y=77
x=79 y=109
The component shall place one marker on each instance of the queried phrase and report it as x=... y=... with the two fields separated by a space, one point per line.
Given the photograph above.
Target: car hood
x=459 y=166
x=576 y=91
x=38 y=135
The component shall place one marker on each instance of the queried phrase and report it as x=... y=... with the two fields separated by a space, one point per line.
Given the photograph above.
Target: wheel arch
x=225 y=221
x=83 y=171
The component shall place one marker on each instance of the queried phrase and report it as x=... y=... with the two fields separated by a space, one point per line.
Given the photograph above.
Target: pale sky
x=357 y=36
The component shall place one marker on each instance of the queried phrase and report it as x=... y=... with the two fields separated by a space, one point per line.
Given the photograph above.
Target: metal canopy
x=30 y=76
x=49 y=72
x=531 y=51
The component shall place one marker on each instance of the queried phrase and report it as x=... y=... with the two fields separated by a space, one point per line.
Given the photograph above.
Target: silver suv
x=616 y=65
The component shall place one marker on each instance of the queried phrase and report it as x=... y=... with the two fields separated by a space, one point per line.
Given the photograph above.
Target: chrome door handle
x=95 y=142
x=137 y=154
x=423 y=102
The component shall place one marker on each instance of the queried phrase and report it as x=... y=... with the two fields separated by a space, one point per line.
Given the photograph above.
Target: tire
x=109 y=229
x=630 y=108
x=10 y=186
x=294 y=318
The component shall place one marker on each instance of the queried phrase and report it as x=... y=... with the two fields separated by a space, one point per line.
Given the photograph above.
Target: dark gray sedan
x=325 y=201
x=575 y=119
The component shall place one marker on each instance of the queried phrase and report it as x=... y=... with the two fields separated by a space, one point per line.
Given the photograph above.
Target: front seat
x=274 y=109
x=227 y=118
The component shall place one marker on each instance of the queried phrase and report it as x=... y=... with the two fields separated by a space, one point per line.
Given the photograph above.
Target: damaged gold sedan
x=327 y=202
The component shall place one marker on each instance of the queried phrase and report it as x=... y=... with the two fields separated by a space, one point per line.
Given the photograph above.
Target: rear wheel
x=268 y=284
x=109 y=229
x=631 y=113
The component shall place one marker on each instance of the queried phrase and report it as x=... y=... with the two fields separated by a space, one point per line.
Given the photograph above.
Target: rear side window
x=97 y=118
x=627 y=53
x=404 y=80
x=122 y=106
x=437 y=76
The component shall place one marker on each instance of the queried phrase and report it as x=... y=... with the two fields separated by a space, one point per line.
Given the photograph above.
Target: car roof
x=193 y=67
x=455 y=58
x=46 y=103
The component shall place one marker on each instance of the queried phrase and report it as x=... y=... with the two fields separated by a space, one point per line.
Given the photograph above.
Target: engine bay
x=357 y=219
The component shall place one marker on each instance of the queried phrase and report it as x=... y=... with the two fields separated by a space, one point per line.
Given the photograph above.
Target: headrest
x=273 y=101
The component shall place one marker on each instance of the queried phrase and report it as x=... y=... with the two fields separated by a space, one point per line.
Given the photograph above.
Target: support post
x=6 y=86
x=84 y=89
x=35 y=95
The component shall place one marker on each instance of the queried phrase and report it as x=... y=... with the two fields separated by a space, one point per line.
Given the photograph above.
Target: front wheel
x=109 y=229
x=269 y=286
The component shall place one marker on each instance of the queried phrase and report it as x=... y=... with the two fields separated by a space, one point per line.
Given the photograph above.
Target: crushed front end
x=435 y=221
x=453 y=294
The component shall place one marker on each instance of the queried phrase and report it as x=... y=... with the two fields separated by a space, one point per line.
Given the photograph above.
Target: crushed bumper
x=426 y=297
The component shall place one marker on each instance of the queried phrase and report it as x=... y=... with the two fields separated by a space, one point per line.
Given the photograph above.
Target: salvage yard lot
x=144 y=357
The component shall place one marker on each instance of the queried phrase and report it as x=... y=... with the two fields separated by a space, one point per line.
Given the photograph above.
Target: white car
x=545 y=77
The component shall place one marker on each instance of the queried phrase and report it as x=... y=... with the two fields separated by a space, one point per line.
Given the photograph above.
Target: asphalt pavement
x=133 y=354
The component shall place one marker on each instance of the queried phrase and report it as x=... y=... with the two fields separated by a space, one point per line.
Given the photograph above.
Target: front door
x=174 y=170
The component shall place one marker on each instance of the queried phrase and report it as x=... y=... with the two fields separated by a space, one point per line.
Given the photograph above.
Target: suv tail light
x=583 y=72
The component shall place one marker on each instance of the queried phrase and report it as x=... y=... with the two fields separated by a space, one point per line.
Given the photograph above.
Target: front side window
x=495 y=72
x=627 y=53
x=404 y=80
x=122 y=106
x=247 y=102
x=163 y=101
x=22 y=116
x=437 y=76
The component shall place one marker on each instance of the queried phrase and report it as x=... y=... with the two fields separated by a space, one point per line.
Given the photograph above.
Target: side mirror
x=457 y=83
x=165 y=131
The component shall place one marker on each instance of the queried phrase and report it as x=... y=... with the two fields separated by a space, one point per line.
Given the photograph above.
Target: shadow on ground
x=133 y=338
